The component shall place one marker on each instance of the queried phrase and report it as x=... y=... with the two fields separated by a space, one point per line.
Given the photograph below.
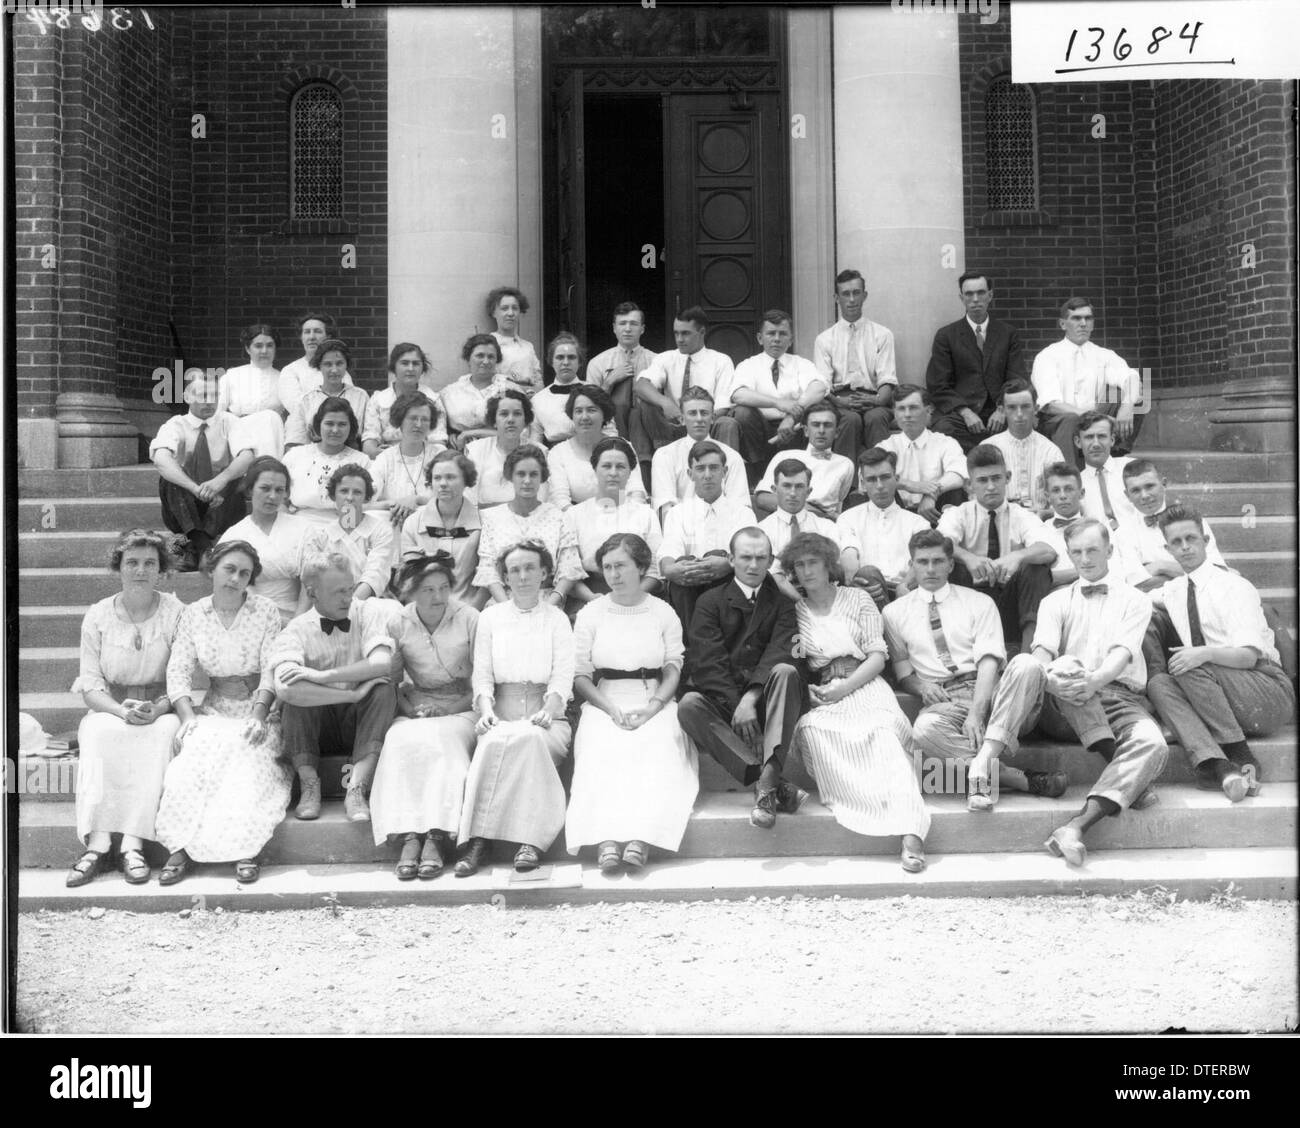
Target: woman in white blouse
x=564 y=355
x=126 y=738
x=573 y=480
x=449 y=523
x=252 y=391
x=277 y=536
x=409 y=368
x=511 y=415
x=298 y=377
x=310 y=466
x=507 y=305
x=464 y=401
x=523 y=675
x=366 y=539
x=400 y=470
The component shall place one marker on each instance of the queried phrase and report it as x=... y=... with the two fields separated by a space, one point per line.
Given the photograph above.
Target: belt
x=958 y=678
x=236 y=687
x=646 y=673
x=521 y=688
x=838 y=668
x=148 y=691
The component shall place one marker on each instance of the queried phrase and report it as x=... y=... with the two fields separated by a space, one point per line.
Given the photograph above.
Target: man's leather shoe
x=309 y=800
x=1050 y=785
x=475 y=854
x=763 y=815
x=1067 y=843
x=789 y=798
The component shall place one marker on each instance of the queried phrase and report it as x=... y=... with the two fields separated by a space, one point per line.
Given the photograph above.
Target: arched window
x=1011 y=147
x=316 y=152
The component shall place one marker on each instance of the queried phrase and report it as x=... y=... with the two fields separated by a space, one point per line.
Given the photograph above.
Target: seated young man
x=1084 y=681
x=331 y=666
x=832 y=474
x=694 y=554
x=1027 y=453
x=747 y=690
x=670 y=473
x=1215 y=675
x=201 y=457
x=1146 y=554
x=946 y=644
x=1001 y=549
x=794 y=515
x=1103 y=473
x=873 y=537
x=931 y=467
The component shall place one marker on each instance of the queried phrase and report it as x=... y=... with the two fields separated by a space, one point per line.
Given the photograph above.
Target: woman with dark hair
x=311 y=466
x=507 y=305
x=635 y=776
x=409 y=368
x=298 y=377
x=275 y=535
x=125 y=740
x=366 y=539
x=523 y=675
x=464 y=401
x=510 y=413
x=251 y=392
x=399 y=470
x=855 y=740
x=572 y=478
x=419 y=785
x=564 y=355
x=332 y=359
x=448 y=523
x=227 y=789
x=526 y=517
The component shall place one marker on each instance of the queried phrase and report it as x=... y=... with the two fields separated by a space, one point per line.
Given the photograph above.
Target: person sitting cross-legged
x=1085 y=681
x=873 y=537
x=1215 y=674
x=332 y=675
x=931 y=467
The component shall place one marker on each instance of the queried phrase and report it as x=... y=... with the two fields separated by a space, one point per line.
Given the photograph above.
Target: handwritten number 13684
x=1122 y=50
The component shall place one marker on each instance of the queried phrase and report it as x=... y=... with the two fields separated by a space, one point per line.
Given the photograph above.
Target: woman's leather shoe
x=475 y=854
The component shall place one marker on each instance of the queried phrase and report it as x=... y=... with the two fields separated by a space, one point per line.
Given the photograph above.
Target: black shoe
x=1050 y=785
x=475 y=854
x=763 y=815
x=789 y=798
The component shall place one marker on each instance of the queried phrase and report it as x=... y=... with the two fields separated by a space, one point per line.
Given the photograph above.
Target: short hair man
x=1103 y=473
x=947 y=647
x=793 y=515
x=832 y=474
x=856 y=357
x=656 y=420
x=1002 y=549
x=1074 y=375
x=697 y=533
x=331 y=666
x=617 y=368
x=931 y=467
x=873 y=537
x=670 y=473
x=1215 y=673
x=770 y=391
x=1145 y=550
x=1084 y=680
x=1027 y=452
x=201 y=457
x=747 y=689
x=971 y=361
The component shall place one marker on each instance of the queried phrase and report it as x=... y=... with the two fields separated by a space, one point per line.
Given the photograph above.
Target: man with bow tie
x=931 y=467
x=831 y=474
x=331 y=666
x=1085 y=680
x=1151 y=563
x=1065 y=494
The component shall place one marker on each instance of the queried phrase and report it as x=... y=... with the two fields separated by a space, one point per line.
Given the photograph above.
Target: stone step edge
x=1192 y=874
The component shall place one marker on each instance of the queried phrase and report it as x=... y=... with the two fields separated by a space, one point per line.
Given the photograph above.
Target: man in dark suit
x=747 y=688
x=969 y=362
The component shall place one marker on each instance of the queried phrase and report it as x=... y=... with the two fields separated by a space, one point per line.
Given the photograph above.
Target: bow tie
x=1095 y=589
x=1061 y=522
x=328 y=625
x=439 y=531
x=1151 y=520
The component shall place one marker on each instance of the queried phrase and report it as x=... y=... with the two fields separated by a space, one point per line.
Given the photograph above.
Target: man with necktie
x=201 y=457
x=832 y=474
x=1103 y=472
x=931 y=467
x=747 y=688
x=617 y=368
x=971 y=361
x=873 y=537
x=947 y=648
x=1026 y=452
x=331 y=666
x=1215 y=674
x=1148 y=558
x=793 y=515
x=1084 y=680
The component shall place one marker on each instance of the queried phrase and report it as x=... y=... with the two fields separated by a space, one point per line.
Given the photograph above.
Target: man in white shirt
x=873 y=537
x=298 y=377
x=832 y=474
x=1084 y=680
x=931 y=467
x=793 y=481
x=697 y=533
x=1027 y=453
x=1215 y=673
x=670 y=470
x=616 y=369
x=1065 y=494
x=856 y=357
x=1103 y=473
x=770 y=392
x=1074 y=375
x=656 y=420
x=201 y=457
x=1001 y=549
x=1143 y=541
x=947 y=648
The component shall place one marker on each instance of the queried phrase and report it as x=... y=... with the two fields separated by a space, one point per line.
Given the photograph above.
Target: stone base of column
x=38 y=444
x=93 y=432
x=1255 y=415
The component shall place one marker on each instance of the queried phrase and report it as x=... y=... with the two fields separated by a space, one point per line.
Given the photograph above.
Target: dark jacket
x=959 y=376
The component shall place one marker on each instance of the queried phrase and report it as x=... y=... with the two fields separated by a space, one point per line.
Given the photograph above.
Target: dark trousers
x=779 y=708
x=955 y=426
x=651 y=430
x=355 y=731
x=756 y=435
x=623 y=403
x=861 y=430
x=682 y=598
x=184 y=513
x=1017 y=600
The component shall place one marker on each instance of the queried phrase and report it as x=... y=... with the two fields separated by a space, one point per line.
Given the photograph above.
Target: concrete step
x=1268 y=873
x=1254 y=534
x=53 y=669
x=60 y=586
x=1185 y=818
x=89 y=514
x=107 y=481
x=51 y=625
x=1184 y=465
x=83 y=549
x=1265 y=569
x=1231 y=499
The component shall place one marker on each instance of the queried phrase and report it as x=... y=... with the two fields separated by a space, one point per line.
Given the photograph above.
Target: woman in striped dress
x=854 y=741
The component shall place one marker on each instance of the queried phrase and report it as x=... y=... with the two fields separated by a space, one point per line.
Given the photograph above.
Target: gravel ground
x=1088 y=964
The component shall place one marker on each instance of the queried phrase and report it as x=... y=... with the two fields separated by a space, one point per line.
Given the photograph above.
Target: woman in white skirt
x=523 y=675
x=635 y=775
x=227 y=789
x=126 y=738
x=252 y=392
x=855 y=740
x=419 y=786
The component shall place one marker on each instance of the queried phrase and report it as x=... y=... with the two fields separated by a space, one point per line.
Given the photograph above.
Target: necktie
x=794 y=526
x=1063 y=522
x=940 y=643
x=1022 y=471
x=995 y=538
x=1105 y=499
x=979 y=337
x=202 y=457
x=328 y=625
x=686 y=376
x=1151 y=519
x=438 y=531
x=1194 y=615
x=855 y=373
x=1095 y=589
x=776 y=375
